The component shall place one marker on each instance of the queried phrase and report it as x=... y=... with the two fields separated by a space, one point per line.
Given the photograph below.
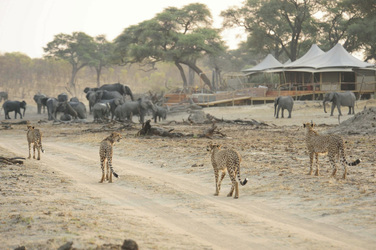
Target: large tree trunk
x=98 y=70
x=201 y=74
x=182 y=74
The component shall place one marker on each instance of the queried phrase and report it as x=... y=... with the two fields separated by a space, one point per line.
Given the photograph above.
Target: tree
x=351 y=22
x=102 y=55
x=77 y=49
x=181 y=36
x=274 y=26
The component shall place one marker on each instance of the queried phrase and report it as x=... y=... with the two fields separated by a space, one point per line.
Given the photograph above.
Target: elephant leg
x=283 y=110
x=278 y=111
x=349 y=110
x=339 y=109
x=289 y=113
x=333 y=106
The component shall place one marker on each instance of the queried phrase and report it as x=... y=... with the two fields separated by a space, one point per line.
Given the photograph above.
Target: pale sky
x=28 y=25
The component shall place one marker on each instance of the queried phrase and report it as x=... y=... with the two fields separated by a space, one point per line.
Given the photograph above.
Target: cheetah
x=105 y=153
x=331 y=144
x=34 y=136
x=226 y=159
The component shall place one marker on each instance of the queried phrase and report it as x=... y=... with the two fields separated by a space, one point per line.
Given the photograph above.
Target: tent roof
x=269 y=62
x=313 y=52
x=337 y=57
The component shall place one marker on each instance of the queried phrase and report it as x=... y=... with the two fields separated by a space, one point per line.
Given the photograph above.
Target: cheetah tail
x=244 y=182
x=113 y=172
x=354 y=163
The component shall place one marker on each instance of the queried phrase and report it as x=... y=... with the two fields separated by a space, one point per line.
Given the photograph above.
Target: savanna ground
x=163 y=198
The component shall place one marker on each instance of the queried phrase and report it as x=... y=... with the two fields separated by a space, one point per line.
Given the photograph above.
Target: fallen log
x=237 y=121
x=147 y=129
x=11 y=161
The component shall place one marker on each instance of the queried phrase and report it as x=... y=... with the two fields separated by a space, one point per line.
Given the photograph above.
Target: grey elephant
x=130 y=108
x=3 y=96
x=79 y=107
x=160 y=112
x=114 y=103
x=283 y=102
x=15 y=106
x=107 y=95
x=54 y=106
x=74 y=99
x=63 y=97
x=101 y=111
x=121 y=88
x=340 y=99
x=87 y=89
x=38 y=98
x=92 y=98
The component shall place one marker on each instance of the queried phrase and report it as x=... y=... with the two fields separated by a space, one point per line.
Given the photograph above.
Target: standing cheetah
x=331 y=144
x=34 y=136
x=105 y=153
x=222 y=160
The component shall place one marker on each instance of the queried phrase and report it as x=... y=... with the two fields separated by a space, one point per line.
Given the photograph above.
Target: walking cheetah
x=105 y=153
x=34 y=136
x=222 y=160
x=331 y=144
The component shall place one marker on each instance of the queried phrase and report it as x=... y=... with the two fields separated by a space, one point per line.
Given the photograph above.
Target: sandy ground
x=163 y=198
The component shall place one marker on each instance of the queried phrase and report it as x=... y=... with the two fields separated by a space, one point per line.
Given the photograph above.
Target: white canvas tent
x=336 y=59
x=268 y=63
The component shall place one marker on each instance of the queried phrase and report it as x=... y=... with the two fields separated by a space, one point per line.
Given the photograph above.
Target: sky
x=27 y=26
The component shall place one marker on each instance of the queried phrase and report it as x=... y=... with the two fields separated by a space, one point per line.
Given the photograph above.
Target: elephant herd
x=108 y=100
x=336 y=98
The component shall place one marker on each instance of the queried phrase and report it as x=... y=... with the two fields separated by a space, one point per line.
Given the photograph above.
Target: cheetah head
x=116 y=136
x=212 y=146
x=309 y=125
x=29 y=127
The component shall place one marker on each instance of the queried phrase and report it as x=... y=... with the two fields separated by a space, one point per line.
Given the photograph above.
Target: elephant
x=78 y=107
x=38 y=98
x=107 y=95
x=54 y=106
x=122 y=89
x=92 y=98
x=65 y=117
x=113 y=105
x=283 y=102
x=101 y=111
x=161 y=113
x=15 y=106
x=340 y=99
x=74 y=99
x=87 y=89
x=3 y=96
x=63 y=97
x=129 y=108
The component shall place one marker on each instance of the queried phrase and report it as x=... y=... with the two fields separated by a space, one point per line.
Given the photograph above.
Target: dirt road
x=159 y=208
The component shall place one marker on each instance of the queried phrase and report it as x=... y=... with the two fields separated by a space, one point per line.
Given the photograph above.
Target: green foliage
x=181 y=36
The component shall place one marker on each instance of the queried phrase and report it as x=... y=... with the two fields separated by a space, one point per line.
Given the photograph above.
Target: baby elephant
x=283 y=102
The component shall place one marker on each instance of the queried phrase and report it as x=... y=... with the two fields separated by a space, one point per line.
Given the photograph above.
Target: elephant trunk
x=324 y=105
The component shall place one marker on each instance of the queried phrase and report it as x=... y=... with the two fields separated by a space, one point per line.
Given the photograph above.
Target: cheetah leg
x=310 y=163
x=38 y=149
x=220 y=181
x=334 y=165
x=102 y=166
x=216 y=182
x=345 y=169
x=29 y=151
x=34 y=151
x=233 y=186
x=317 y=165
x=109 y=166
x=107 y=178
